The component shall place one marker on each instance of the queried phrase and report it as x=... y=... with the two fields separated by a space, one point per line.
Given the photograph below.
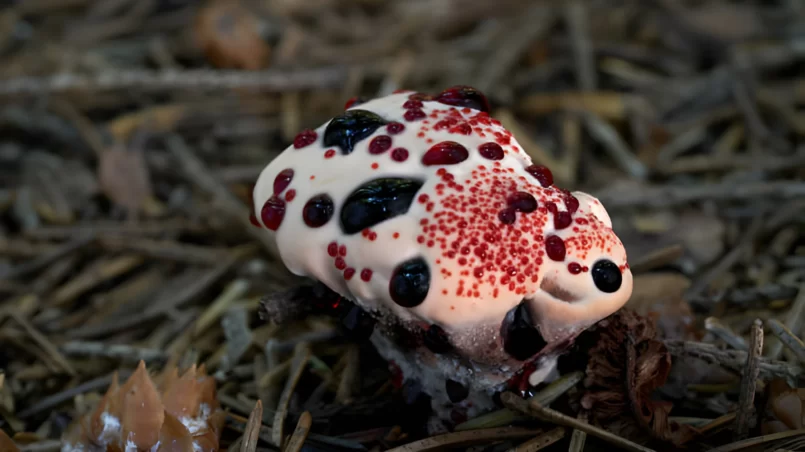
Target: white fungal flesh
x=561 y=302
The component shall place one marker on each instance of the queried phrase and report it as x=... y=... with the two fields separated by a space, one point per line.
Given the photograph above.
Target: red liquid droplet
x=366 y=274
x=542 y=174
x=290 y=195
x=414 y=115
x=571 y=202
x=395 y=128
x=412 y=104
x=273 y=212
x=282 y=180
x=349 y=273
x=340 y=263
x=574 y=268
x=522 y=201
x=445 y=153
x=342 y=250
x=329 y=154
x=332 y=249
x=399 y=154
x=491 y=151
x=562 y=220
x=555 y=248
x=351 y=101
x=507 y=216
x=462 y=129
x=464 y=96
x=380 y=144
x=305 y=138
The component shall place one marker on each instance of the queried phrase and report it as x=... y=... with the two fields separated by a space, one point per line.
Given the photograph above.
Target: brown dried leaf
x=627 y=364
x=142 y=413
x=124 y=178
x=174 y=436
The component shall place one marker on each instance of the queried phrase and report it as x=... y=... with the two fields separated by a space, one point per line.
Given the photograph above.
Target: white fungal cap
x=431 y=210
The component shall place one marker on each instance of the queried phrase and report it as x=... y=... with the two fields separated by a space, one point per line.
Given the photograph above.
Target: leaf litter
x=133 y=132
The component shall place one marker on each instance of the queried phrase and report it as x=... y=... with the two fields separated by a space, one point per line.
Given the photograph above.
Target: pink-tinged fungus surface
x=427 y=213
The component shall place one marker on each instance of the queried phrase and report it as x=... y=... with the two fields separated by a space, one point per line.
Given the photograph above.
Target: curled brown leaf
x=627 y=364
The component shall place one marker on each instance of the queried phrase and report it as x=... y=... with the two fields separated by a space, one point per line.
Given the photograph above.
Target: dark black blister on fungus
x=376 y=201
x=521 y=339
x=347 y=129
x=410 y=283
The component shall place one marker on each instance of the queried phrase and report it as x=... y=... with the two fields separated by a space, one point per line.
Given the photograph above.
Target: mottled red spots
x=445 y=153
x=394 y=128
x=282 y=180
x=273 y=212
x=412 y=104
x=342 y=250
x=491 y=151
x=366 y=274
x=330 y=153
x=445 y=124
x=399 y=154
x=396 y=235
x=461 y=129
x=542 y=174
x=340 y=263
x=290 y=195
x=574 y=268
x=305 y=138
x=414 y=115
x=380 y=144
x=375 y=165
x=349 y=272
x=332 y=249
x=372 y=236
x=423 y=198
x=555 y=248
